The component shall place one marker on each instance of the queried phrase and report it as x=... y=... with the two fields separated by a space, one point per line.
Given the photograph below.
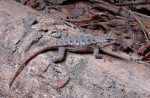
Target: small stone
x=75 y=13
x=59 y=83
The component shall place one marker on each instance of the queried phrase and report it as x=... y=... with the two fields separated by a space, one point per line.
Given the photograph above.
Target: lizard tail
x=25 y=62
x=16 y=74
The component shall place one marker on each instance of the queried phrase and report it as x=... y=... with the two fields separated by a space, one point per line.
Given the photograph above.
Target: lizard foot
x=98 y=56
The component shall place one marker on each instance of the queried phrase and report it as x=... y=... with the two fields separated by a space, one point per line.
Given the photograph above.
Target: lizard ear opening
x=112 y=36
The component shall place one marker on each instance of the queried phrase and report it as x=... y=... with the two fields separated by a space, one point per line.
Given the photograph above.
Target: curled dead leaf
x=144 y=50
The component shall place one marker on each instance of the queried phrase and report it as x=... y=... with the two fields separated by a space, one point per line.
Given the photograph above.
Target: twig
x=133 y=3
x=145 y=31
x=116 y=9
x=123 y=12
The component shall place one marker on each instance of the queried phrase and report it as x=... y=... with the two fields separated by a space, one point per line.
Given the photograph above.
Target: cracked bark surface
x=79 y=76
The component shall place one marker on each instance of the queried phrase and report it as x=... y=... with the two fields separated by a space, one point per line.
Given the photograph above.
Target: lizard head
x=106 y=39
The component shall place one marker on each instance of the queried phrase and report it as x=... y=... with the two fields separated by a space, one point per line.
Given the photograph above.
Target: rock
x=79 y=76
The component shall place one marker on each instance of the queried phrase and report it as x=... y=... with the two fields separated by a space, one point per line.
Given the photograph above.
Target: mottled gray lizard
x=74 y=43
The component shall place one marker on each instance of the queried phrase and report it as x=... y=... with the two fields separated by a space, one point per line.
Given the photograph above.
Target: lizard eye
x=109 y=40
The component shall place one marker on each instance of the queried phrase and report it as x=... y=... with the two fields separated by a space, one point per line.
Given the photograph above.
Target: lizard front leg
x=59 y=34
x=96 y=54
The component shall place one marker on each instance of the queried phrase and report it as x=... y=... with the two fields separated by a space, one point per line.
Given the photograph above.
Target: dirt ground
x=79 y=76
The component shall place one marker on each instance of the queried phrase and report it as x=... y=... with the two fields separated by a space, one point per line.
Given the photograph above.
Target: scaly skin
x=82 y=43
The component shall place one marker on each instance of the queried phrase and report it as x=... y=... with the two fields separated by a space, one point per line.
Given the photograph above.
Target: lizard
x=84 y=43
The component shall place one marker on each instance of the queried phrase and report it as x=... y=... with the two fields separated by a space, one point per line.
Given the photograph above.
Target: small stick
x=132 y=3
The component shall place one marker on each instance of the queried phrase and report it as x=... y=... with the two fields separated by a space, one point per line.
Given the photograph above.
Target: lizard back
x=72 y=41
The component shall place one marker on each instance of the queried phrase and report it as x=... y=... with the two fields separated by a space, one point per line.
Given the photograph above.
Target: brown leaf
x=146 y=57
x=144 y=50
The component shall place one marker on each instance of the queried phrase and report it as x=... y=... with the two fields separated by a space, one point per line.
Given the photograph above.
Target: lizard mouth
x=108 y=43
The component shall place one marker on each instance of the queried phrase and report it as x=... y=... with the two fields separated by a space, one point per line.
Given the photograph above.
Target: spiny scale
x=76 y=40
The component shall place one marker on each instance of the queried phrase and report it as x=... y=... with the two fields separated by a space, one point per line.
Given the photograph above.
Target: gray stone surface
x=83 y=75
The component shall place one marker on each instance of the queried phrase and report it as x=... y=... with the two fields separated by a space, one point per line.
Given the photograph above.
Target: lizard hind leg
x=57 y=58
x=60 y=56
x=96 y=53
